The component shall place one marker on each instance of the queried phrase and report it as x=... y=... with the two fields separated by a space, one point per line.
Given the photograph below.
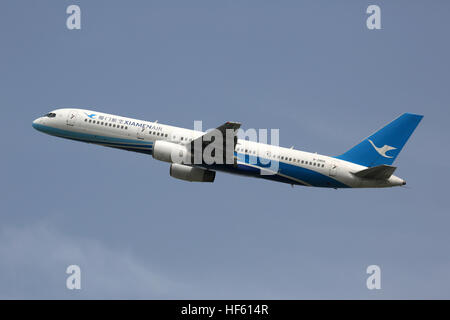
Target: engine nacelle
x=193 y=174
x=170 y=152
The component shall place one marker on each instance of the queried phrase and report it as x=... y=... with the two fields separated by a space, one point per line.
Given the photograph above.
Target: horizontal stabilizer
x=382 y=172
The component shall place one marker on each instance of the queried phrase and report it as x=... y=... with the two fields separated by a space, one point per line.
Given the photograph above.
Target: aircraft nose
x=36 y=123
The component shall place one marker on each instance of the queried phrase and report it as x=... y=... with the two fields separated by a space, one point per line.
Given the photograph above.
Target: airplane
x=367 y=165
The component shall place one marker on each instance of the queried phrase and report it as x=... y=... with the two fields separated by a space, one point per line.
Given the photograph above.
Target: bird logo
x=382 y=151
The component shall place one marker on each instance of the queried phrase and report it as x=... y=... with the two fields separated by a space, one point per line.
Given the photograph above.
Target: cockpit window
x=50 y=115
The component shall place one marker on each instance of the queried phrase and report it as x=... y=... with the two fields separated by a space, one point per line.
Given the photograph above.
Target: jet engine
x=193 y=174
x=170 y=152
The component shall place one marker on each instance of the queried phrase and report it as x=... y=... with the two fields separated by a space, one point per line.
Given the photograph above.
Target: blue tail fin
x=383 y=146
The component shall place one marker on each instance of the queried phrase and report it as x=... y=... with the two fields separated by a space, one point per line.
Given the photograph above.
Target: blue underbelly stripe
x=309 y=176
x=92 y=138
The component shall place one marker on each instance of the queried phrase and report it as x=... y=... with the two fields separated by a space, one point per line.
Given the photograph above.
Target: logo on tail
x=382 y=151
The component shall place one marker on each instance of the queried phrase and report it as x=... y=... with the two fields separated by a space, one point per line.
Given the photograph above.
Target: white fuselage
x=294 y=166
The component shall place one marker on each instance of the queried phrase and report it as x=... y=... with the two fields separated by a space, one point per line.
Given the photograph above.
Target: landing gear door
x=333 y=169
x=72 y=118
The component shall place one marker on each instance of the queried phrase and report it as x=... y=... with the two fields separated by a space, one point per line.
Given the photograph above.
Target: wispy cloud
x=34 y=259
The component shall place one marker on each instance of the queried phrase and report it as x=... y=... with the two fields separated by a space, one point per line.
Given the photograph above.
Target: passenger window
x=126 y=128
x=90 y=121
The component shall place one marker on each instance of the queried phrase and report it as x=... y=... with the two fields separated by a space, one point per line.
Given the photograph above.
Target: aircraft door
x=140 y=132
x=72 y=118
x=333 y=170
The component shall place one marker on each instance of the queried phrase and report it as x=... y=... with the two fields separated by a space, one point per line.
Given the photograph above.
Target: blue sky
x=310 y=68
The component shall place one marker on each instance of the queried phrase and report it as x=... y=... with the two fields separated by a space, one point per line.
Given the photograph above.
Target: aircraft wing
x=228 y=130
x=381 y=172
